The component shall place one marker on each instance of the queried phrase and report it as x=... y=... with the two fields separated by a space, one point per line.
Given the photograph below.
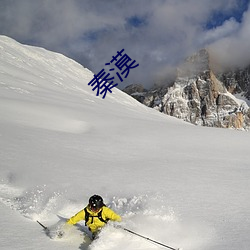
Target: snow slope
x=176 y=183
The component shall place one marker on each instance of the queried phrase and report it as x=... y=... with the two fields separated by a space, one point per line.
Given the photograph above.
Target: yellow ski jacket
x=94 y=223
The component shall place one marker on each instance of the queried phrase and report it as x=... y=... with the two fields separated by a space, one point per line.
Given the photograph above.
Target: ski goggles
x=94 y=208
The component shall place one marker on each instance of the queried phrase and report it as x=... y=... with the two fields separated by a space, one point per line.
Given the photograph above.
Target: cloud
x=228 y=28
x=233 y=49
x=157 y=34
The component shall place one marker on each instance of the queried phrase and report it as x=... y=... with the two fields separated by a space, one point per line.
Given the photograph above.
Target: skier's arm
x=77 y=217
x=110 y=214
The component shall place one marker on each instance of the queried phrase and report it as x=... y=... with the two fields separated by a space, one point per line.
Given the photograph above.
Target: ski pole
x=146 y=238
x=45 y=228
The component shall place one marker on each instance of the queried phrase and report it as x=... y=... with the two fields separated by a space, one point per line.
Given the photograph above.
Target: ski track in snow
x=43 y=117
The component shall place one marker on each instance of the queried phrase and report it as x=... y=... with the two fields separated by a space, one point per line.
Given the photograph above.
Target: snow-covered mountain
x=182 y=185
x=201 y=96
x=237 y=81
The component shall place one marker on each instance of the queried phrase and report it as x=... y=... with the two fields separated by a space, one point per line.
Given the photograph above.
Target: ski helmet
x=96 y=202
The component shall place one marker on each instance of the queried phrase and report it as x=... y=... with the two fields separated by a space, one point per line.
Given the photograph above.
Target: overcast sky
x=158 y=34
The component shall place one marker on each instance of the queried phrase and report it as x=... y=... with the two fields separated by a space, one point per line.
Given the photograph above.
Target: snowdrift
x=182 y=185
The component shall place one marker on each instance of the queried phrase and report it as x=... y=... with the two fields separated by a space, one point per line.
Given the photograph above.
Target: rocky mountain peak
x=200 y=96
x=196 y=64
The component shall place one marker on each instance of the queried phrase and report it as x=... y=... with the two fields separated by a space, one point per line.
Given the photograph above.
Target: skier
x=95 y=214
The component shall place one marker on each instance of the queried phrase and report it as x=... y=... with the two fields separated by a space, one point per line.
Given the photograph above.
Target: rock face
x=237 y=81
x=201 y=97
x=137 y=91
